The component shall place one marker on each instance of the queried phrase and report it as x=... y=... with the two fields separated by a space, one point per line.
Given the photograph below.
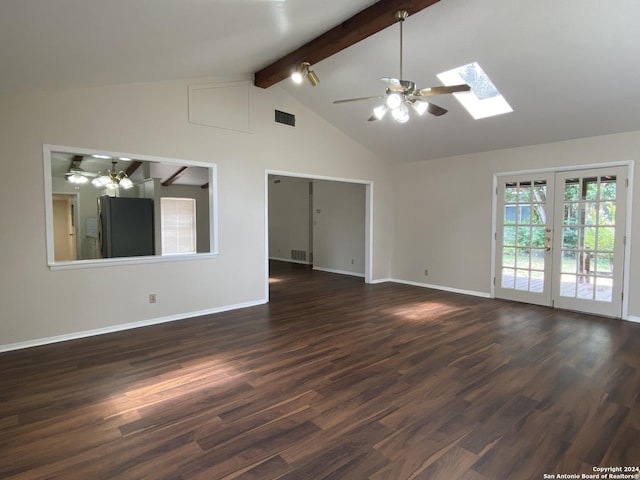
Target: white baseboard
x=440 y=287
x=632 y=318
x=381 y=280
x=125 y=326
x=341 y=272
x=289 y=260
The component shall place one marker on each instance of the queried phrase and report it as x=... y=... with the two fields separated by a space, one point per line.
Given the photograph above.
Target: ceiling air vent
x=286 y=118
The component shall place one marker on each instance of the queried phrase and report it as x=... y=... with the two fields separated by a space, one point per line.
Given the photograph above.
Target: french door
x=560 y=239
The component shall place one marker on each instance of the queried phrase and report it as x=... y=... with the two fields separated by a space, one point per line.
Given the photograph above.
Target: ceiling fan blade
x=346 y=100
x=427 y=92
x=436 y=110
x=393 y=84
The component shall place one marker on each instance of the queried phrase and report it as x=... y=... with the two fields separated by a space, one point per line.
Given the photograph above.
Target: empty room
x=278 y=239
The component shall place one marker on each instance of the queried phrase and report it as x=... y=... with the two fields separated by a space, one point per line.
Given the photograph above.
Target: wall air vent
x=286 y=118
x=299 y=255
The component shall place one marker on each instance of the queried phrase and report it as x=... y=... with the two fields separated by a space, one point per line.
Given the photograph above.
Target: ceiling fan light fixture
x=400 y=114
x=77 y=178
x=394 y=100
x=380 y=111
x=420 y=107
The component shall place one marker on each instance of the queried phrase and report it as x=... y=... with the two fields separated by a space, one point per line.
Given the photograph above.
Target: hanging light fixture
x=304 y=71
x=76 y=176
x=112 y=178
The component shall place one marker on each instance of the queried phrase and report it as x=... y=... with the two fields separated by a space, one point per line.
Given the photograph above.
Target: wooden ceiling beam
x=173 y=177
x=371 y=20
x=133 y=167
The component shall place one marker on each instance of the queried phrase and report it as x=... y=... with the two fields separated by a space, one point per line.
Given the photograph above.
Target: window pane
x=569 y=262
x=537 y=259
x=524 y=192
x=590 y=213
x=569 y=237
x=522 y=279
x=608 y=188
x=585 y=288
x=508 y=257
x=509 y=236
x=524 y=214
x=570 y=213
x=537 y=282
x=604 y=265
x=178 y=225
x=604 y=289
x=591 y=188
x=510 y=193
x=571 y=190
x=537 y=237
x=606 y=238
x=508 y=278
x=522 y=258
x=509 y=214
x=568 y=285
x=607 y=213
x=524 y=236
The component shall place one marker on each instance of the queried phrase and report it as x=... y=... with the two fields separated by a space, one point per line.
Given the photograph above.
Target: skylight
x=484 y=100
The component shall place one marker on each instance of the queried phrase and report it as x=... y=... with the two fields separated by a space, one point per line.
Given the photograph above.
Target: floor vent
x=299 y=255
x=285 y=118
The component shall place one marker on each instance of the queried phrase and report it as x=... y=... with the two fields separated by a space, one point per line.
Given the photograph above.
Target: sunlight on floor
x=422 y=311
x=187 y=379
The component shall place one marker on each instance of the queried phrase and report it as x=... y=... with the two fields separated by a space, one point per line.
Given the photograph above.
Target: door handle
x=547 y=248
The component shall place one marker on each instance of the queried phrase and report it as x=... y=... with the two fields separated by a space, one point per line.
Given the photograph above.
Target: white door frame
x=629 y=164
x=368 y=221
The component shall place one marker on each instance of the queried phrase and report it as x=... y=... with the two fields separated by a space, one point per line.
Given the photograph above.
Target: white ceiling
x=61 y=163
x=568 y=68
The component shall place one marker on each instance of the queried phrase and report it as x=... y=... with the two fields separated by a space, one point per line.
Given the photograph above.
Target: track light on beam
x=305 y=72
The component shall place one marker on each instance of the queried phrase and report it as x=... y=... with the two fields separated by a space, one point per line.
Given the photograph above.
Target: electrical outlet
x=152 y=298
x=426 y=272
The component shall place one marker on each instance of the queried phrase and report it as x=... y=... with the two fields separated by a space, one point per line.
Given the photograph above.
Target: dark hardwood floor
x=333 y=379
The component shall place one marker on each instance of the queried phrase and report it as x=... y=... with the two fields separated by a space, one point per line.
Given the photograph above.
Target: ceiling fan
x=400 y=94
x=75 y=174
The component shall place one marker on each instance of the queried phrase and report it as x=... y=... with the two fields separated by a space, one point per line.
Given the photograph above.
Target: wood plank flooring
x=333 y=379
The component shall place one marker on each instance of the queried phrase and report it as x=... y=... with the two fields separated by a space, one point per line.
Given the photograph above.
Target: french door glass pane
x=524 y=218
x=588 y=235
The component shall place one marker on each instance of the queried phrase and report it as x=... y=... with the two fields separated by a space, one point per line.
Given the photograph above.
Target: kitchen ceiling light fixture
x=304 y=71
x=112 y=178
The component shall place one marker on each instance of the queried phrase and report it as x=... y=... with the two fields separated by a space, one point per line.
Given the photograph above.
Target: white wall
x=339 y=226
x=288 y=216
x=152 y=119
x=443 y=209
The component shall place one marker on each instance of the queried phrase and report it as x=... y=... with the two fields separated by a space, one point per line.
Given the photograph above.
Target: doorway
x=560 y=239
x=337 y=232
x=64 y=227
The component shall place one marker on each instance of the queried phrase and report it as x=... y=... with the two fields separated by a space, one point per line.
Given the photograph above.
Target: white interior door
x=560 y=239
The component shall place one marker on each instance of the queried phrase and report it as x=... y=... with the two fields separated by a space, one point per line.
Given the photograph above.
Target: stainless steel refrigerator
x=126 y=226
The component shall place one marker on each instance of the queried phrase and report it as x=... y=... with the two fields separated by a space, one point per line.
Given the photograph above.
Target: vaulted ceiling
x=569 y=69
